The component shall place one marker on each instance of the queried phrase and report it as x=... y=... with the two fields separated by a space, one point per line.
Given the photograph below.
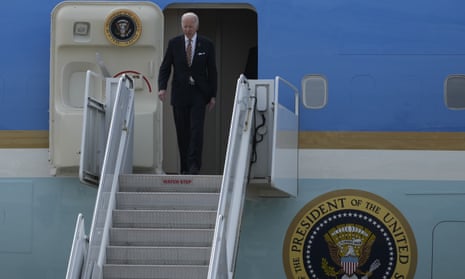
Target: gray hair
x=191 y=15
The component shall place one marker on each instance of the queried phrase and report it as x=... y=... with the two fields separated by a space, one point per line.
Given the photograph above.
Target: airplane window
x=315 y=91
x=454 y=92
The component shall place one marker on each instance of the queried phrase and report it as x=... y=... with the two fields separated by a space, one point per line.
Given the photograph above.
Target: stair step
x=115 y=271
x=170 y=183
x=161 y=237
x=158 y=255
x=162 y=227
x=204 y=219
x=173 y=201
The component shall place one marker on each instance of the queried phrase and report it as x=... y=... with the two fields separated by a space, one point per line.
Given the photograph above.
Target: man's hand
x=162 y=95
x=211 y=104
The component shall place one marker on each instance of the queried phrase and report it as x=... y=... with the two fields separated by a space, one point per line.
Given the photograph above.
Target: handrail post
x=79 y=250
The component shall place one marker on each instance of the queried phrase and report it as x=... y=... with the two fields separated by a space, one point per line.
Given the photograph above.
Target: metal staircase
x=162 y=227
x=173 y=226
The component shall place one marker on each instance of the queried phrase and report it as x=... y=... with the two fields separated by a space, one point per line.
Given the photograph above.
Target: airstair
x=162 y=227
x=172 y=226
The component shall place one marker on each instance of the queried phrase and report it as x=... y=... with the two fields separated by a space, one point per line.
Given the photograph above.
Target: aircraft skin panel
x=443 y=233
x=380 y=81
x=38 y=216
x=266 y=220
x=381 y=164
x=389 y=80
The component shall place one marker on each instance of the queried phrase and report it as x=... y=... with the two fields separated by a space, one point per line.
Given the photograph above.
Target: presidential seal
x=123 y=27
x=349 y=234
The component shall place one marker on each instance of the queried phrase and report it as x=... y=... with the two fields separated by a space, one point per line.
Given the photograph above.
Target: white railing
x=78 y=250
x=117 y=160
x=95 y=125
x=225 y=240
x=284 y=151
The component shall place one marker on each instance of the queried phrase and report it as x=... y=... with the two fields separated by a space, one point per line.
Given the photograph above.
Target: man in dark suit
x=194 y=87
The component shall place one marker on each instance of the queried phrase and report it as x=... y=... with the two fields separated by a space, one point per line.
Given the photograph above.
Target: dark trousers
x=189 y=121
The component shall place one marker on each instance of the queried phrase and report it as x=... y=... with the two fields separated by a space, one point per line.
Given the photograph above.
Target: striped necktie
x=189 y=52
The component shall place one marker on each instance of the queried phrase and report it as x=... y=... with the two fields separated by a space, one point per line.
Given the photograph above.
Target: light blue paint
x=443 y=233
x=425 y=205
x=37 y=220
x=16 y=217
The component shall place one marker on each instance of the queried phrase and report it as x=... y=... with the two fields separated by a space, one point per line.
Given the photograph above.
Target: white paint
x=24 y=163
x=313 y=164
x=382 y=164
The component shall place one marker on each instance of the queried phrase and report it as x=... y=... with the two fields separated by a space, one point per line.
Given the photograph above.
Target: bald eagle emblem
x=349 y=234
x=349 y=247
x=123 y=27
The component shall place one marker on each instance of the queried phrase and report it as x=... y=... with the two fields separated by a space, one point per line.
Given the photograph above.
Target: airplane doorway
x=233 y=30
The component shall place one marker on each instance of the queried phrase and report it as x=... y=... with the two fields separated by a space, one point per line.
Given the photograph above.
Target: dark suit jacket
x=203 y=70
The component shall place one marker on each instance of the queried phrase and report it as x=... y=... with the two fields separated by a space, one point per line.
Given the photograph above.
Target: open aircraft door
x=110 y=38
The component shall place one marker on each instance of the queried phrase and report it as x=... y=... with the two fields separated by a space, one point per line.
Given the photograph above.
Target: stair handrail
x=95 y=124
x=78 y=250
x=233 y=188
x=80 y=244
x=117 y=160
x=285 y=137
